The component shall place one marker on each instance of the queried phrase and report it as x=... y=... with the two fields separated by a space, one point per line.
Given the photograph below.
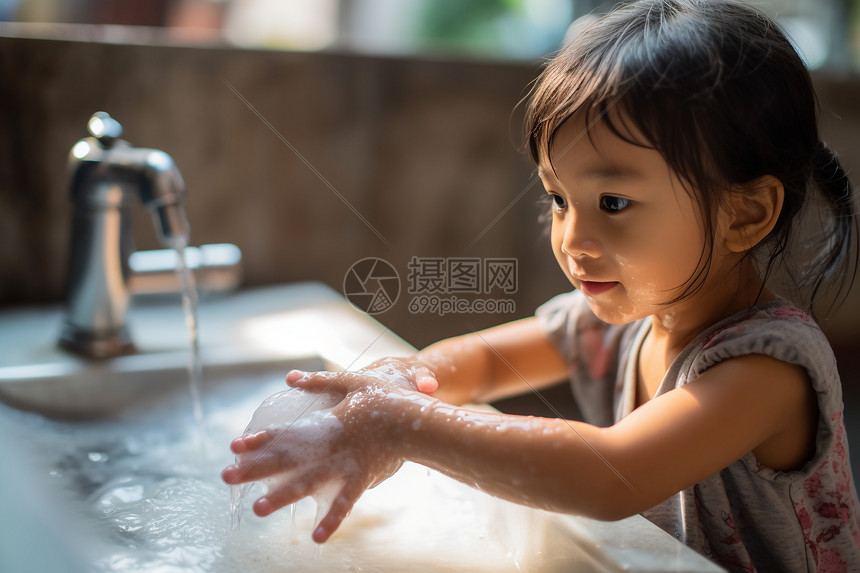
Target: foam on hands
x=303 y=424
x=290 y=406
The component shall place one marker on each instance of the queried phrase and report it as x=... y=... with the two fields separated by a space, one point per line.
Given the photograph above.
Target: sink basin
x=306 y=325
x=115 y=474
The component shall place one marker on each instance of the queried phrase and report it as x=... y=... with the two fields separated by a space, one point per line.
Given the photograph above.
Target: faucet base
x=100 y=344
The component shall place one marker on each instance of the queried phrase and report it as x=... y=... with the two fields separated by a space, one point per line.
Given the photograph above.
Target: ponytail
x=837 y=240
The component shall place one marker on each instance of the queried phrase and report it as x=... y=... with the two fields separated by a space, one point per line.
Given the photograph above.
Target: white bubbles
x=304 y=426
x=289 y=406
x=98 y=457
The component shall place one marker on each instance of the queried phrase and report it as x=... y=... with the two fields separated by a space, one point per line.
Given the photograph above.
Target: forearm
x=461 y=368
x=552 y=464
x=495 y=363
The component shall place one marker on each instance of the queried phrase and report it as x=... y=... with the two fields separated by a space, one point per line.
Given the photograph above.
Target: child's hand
x=409 y=373
x=350 y=447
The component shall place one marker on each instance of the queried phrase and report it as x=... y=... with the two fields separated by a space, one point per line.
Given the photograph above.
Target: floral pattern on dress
x=735 y=327
x=791 y=312
x=599 y=355
x=823 y=513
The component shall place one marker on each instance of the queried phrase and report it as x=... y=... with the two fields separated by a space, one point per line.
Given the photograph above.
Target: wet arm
x=668 y=444
x=490 y=364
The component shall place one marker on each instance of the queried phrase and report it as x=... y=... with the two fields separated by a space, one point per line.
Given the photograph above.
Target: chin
x=615 y=315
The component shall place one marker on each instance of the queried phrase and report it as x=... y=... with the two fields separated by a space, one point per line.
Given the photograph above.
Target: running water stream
x=195 y=364
x=190 y=300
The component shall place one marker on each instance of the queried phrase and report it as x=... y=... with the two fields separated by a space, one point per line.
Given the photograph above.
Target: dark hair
x=718 y=90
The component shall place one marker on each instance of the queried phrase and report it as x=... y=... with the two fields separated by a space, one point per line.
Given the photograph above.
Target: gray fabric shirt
x=746 y=517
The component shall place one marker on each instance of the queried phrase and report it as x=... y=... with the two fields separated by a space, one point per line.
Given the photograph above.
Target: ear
x=751 y=212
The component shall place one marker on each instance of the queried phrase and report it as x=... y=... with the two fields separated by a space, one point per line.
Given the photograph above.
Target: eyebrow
x=602 y=172
x=609 y=171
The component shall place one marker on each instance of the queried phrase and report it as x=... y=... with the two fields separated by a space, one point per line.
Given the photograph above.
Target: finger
x=256 y=467
x=343 y=382
x=250 y=442
x=339 y=509
x=294 y=375
x=231 y=474
x=278 y=497
x=425 y=381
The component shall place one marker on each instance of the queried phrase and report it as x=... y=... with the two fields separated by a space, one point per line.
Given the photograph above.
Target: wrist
x=381 y=414
x=403 y=420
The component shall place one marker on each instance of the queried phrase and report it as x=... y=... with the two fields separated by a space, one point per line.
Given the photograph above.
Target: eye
x=612 y=204
x=558 y=202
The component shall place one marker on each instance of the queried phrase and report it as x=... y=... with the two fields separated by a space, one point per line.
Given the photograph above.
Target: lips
x=592 y=288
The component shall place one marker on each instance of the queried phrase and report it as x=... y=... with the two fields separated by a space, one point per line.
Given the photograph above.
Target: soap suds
x=303 y=424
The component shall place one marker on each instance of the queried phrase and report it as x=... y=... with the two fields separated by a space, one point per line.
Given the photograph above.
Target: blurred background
x=825 y=30
x=407 y=108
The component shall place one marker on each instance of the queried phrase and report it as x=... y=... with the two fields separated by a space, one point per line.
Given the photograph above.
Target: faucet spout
x=162 y=192
x=107 y=176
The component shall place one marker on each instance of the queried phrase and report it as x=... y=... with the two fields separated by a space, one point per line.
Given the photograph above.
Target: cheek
x=556 y=238
x=667 y=259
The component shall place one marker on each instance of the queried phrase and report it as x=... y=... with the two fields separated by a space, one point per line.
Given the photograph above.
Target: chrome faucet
x=107 y=175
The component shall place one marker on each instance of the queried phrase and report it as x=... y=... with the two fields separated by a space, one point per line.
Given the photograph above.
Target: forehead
x=594 y=144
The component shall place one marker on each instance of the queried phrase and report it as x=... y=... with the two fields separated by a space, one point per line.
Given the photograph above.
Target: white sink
x=135 y=482
x=304 y=325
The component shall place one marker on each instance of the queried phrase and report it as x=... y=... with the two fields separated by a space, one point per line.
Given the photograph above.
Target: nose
x=579 y=238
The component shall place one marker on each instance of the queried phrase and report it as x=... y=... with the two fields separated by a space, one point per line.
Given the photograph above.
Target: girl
x=677 y=141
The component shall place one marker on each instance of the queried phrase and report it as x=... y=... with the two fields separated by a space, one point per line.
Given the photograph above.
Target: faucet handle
x=104 y=128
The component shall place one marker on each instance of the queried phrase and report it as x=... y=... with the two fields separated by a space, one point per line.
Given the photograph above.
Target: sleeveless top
x=747 y=517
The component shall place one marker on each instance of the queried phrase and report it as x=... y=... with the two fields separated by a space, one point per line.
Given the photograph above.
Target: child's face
x=624 y=230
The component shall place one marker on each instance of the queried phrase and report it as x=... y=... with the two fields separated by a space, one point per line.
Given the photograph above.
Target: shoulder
x=774 y=329
x=782 y=357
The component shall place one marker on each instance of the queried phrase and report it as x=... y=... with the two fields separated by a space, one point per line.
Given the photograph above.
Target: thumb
x=425 y=381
